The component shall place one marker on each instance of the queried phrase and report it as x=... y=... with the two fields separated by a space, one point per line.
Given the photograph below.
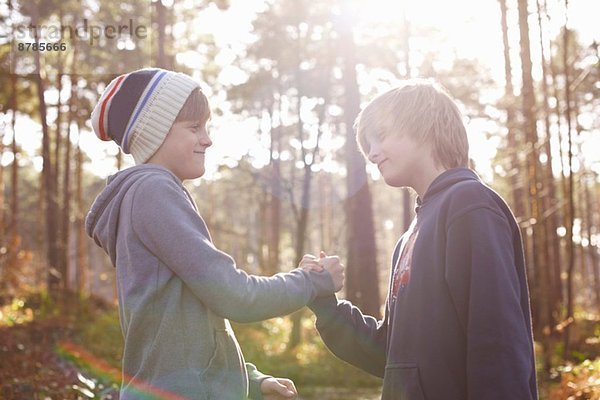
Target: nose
x=374 y=154
x=204 y=139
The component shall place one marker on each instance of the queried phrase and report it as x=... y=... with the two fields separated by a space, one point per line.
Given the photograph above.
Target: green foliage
x=101 y=335
x=310 y=363
x=15 y=313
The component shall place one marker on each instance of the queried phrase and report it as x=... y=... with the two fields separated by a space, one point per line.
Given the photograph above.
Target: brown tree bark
x=161 y=58
x=551 y=208
x=362 y=283
x=274 y=228
x=2 y=207
x=570 y=212
x=558 y=267
x=537 y=230
x=57 y=184
x=14 y=186
x=54 y=279
x=407 y=202
x=513 y=140
x=592 y=250
x=82 y=268
x=67 y=171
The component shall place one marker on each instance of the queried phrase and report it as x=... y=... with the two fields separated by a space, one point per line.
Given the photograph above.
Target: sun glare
x=379 y=11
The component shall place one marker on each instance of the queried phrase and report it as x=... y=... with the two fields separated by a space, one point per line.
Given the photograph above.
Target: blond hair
x=195 y=108
x=422 y=109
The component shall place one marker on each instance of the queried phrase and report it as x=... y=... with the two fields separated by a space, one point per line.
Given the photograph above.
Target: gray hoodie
x=177 y=291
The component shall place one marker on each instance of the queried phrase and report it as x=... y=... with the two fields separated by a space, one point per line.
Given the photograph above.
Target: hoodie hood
x=445 y=180
x=102 y=221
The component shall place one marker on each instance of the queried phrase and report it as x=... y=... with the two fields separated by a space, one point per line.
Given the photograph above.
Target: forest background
x=286 y=79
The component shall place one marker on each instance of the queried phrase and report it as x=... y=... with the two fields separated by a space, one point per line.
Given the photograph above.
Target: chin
x=395 y=182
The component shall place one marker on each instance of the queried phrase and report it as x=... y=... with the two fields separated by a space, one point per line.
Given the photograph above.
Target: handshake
x=324 y=262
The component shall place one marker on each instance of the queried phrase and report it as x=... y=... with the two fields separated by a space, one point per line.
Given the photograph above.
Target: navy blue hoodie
x=457 y=323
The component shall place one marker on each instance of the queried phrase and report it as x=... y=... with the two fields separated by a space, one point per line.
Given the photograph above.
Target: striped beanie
x=138 y=109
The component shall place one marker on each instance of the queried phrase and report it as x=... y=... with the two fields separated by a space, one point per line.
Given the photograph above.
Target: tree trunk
x=407 y=202
x=66 y=210
x=514 y=142
x=60 y=225
x=593 y=256
x=81 y=271
x=14 y=187
x=161 y=59
x=362 y=283
x=8 y=237
x=541 y=312
x=119 y=158
x=3 y=229
x=302 y=220
x=54 y=279
x=558 y=283
x=301 y=229
x=569 y=196
x=551 y=204
x=274 y=229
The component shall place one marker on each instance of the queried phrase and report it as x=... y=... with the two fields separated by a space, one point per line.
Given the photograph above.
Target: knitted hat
x=138 y=109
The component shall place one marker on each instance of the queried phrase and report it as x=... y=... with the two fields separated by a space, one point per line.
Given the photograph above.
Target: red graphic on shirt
x=401 y=277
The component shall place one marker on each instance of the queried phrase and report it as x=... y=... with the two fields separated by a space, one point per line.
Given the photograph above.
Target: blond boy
x=457 y=320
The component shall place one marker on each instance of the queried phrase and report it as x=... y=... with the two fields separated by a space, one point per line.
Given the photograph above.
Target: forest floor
x=35 y=364
x=42 y=358
x=55 y=355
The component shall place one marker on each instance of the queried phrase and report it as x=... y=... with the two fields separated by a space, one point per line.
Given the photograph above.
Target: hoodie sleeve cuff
x=324 y=308
x=255 y=378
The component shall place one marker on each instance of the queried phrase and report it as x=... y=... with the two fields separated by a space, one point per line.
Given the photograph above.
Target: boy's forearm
x=255 y=378
x=250 y=298
x=355 y=338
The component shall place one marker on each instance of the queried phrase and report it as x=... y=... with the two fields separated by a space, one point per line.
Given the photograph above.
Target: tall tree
x=514 y=143
x=67 y=171
x=275 y=195
x=81 y=270
x=59 y=157
x=406 y=196
x=536 y=230
x=49 y=187
x=551 y=209
x=161 y=24
x=557 y=111
x=362 y=283
x=592 y=248
x=570 y=214
x=2 y=207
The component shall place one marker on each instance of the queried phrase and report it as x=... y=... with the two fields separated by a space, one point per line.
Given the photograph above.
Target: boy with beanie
x=177 y=291
x=457 y=322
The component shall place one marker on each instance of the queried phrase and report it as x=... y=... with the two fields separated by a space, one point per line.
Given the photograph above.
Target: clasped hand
x=331 y=264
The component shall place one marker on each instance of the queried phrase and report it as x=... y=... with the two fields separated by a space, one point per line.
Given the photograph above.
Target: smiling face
x=184 y=147
x=183 y=150
x=400 y=159
x=413 y=133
